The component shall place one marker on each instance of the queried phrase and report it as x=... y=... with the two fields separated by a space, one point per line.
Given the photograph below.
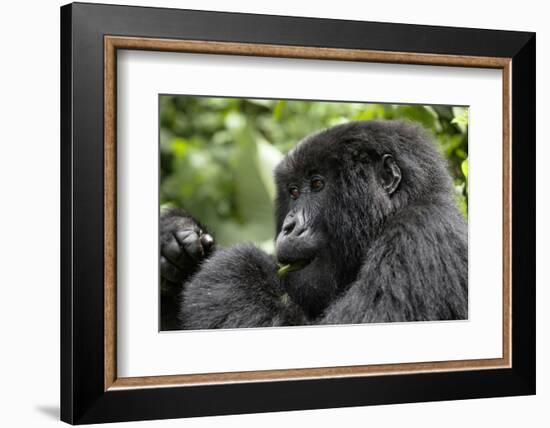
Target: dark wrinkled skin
x=379 y=240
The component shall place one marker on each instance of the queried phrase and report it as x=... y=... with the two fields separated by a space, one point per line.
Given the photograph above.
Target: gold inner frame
x=113 y=43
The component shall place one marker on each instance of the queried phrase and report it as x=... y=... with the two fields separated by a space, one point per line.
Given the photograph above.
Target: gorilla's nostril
x=289 y=227
x=300 y=231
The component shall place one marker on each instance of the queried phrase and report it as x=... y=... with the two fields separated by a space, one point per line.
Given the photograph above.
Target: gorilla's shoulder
x=241 y=261
x=427 y=221
x=236 y=287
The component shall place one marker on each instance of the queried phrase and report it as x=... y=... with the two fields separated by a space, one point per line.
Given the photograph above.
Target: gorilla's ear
x=390 y=175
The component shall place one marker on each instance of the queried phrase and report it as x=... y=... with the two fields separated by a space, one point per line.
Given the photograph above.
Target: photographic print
x=232 y=203
x=278 y=212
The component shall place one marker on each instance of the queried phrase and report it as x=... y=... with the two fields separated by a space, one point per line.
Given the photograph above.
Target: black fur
x=238 y=287
x=384 y=241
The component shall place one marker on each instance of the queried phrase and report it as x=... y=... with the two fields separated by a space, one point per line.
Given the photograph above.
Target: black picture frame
x=83 y=395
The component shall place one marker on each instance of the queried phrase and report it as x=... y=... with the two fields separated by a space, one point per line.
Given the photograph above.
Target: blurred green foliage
x=218 y=154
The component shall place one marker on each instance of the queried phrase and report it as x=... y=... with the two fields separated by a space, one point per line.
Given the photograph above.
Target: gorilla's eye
x=294 y=192
x=316 y=183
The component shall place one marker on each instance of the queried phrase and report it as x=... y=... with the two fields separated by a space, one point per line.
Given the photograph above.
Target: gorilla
x=367 y=231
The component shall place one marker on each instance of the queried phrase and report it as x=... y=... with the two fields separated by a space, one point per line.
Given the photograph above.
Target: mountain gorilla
x=367 y=231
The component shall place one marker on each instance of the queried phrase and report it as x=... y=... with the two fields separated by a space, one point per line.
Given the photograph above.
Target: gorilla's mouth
x=286 y=268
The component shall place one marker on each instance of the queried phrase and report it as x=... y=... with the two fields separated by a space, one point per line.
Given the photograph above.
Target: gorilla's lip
x=286 y=268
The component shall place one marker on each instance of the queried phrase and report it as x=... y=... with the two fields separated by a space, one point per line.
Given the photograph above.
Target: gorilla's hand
x=184 y=243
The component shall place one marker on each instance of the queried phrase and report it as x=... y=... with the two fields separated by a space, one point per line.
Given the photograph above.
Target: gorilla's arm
x=412 y=272
x=237 y=287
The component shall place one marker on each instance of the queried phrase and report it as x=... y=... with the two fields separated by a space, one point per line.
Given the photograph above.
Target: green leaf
x=464 y=167
x=252 y=194
x=460 y=117
x=268 y=157
x=284 y=270
x=278 y=110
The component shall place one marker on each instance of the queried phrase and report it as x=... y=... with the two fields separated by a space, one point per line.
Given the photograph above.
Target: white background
x=142 y=351
x=29 y=230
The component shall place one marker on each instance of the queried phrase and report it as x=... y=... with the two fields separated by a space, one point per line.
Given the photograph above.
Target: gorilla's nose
x=296 y=241
x=288 y=226
x=293 y=227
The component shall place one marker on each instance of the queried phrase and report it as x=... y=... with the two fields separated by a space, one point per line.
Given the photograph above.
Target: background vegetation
x=218 y=154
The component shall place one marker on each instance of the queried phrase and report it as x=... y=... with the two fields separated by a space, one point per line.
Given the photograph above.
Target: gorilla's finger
x=183 y=235
x=207 y=242
x=172 y=250
x=169 y=271
x=190 y=241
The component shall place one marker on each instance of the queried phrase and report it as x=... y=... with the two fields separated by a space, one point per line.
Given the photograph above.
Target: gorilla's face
x=303 y=232
x=303 y=245
x=331 y=193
